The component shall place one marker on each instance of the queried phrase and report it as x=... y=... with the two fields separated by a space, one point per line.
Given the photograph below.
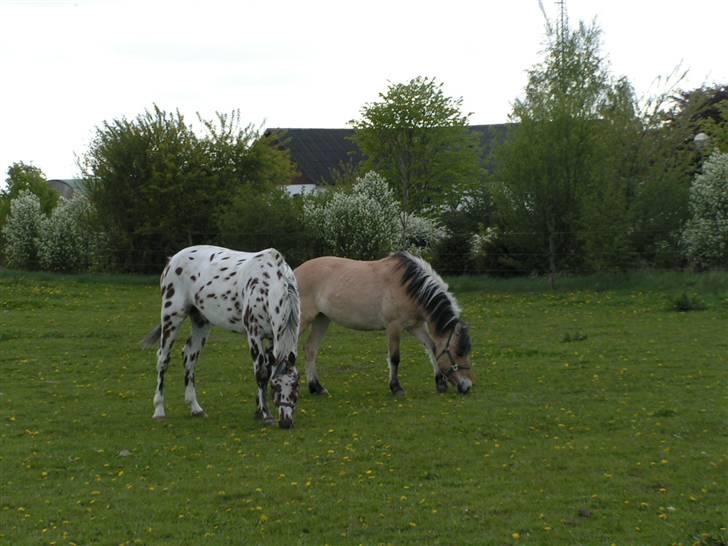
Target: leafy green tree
x=666 y=160
x=262 y=217
x=158 y=186
x=710 y=112
x=417 y=138
x=553 y=160
x=22 y=177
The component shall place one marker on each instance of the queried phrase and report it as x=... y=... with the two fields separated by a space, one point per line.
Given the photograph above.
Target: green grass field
x=599 y=416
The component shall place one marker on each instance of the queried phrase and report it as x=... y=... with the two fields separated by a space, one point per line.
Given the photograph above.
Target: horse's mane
x=428 y=289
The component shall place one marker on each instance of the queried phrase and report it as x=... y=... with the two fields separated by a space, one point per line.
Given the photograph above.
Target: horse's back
x=356 y=294
x=213 y=280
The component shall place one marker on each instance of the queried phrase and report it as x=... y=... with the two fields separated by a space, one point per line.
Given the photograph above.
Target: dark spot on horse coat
x=167 y=303
x=178 y=271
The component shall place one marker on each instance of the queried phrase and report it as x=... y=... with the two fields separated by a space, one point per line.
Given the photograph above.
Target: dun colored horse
x=398 y=293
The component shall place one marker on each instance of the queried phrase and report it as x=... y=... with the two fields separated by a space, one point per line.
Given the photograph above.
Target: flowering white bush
x=65 y=242
x=481 y=241
x=706 y=233
x=368 y=222
x=22 y=230
x=363 y=224
x=421 y=235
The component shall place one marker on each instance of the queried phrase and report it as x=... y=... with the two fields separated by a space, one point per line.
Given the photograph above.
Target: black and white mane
x=428 y=289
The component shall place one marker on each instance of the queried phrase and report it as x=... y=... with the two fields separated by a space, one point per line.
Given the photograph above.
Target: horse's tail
x=152 y=338
x=286 y=298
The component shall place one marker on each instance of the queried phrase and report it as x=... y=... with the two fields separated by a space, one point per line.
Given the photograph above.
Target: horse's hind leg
x=393 y=334
x=311 y=349
x=170 y=325
x=193 y=347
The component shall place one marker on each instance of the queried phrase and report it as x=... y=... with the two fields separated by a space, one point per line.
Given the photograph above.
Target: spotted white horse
x=251 y=293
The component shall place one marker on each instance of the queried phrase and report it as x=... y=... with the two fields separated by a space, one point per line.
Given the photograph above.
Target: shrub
x=706 y=233
x=687 y=302
x=422 y=235
x=22 y=230
x=362 y=224
x=255 y=219
x=66 y=242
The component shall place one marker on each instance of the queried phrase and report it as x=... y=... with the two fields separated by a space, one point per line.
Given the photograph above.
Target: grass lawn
x=598 y=416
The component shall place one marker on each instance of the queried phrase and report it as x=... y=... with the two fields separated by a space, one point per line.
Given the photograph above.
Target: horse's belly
x=356 y=318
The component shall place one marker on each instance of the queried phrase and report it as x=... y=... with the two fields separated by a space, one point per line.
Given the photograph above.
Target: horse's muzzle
x=464 y=386
x=285 y=422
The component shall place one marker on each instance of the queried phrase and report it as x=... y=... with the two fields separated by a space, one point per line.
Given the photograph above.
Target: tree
x=417 y=138
x=562 y=186
x=706 y=232
x=667 y=159
x=258 y=217
x=707 y=108
x=158 y=186
x=23 y=177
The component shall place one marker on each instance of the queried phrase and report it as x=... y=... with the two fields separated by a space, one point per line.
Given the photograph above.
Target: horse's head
x=284 y=386
x=452 y=351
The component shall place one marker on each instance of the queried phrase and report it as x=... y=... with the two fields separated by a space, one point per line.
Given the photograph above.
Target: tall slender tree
x=554 y=173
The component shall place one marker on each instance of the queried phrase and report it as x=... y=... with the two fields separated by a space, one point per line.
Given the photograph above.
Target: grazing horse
x=398 y=293
x=251 y=293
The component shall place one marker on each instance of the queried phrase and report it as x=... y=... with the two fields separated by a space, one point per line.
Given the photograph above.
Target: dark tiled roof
x=317 y=151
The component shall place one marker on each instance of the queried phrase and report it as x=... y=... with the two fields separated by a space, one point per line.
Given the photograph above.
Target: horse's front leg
x=420 y=332
x=262 y=368
x=393 y=334
x=311 y=349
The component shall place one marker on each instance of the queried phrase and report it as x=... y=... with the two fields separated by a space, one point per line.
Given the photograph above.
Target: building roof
x=67 y=188
x=317 y=151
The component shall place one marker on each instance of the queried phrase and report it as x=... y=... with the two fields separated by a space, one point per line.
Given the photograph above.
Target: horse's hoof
x=198 y=414
x=158 y=417
x=398 y=393
x=264 y=419
x=317 y=389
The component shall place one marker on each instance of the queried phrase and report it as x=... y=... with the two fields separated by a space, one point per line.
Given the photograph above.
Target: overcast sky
x=68 y=65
